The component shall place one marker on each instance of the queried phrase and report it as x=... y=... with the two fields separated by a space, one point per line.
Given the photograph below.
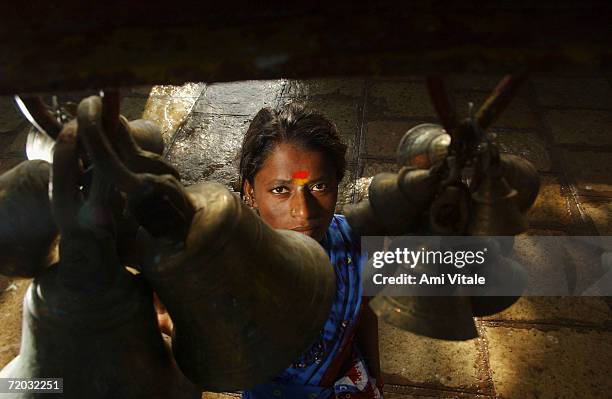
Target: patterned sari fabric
x=332 y=367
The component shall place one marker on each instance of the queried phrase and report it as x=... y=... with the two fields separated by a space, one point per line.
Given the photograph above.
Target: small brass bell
x=433 y=311
x=423 y=146
x=232 y=291
x=28 y=235
x=495 y=210
x=442 y=317
x=395 y=203
x=361 y=218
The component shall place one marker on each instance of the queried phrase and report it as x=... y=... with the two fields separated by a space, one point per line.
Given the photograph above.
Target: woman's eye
x=279 y=190
x=319 y=187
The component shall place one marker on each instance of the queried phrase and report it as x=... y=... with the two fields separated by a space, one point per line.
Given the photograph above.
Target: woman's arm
x=367 y=339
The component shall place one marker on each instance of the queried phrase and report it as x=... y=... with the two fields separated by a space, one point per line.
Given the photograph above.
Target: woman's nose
x=303 y=206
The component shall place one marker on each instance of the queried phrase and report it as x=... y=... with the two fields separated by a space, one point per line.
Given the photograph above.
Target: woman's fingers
x=163 y=318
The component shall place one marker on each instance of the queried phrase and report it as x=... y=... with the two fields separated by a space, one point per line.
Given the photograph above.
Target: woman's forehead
x=289 y=161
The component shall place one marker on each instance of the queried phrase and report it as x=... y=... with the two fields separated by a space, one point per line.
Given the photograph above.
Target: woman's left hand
x=163 y=318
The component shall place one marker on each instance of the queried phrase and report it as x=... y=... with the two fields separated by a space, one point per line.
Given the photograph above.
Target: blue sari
x=309 y=376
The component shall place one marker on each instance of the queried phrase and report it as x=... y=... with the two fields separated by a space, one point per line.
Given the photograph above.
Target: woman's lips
x=308 y=230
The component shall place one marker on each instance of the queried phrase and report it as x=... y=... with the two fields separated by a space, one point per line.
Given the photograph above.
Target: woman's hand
x=163 y=318
x=367 y=341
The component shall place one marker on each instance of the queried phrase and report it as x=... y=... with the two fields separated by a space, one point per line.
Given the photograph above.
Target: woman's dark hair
x=292 y=123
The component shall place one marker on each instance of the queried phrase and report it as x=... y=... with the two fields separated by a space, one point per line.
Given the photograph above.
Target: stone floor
x=541 y=347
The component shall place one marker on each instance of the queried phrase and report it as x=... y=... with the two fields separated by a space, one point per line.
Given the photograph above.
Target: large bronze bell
x=103 y=344
x=230 y=283
x=86 y=319
x=233 y=291
x=28 y=235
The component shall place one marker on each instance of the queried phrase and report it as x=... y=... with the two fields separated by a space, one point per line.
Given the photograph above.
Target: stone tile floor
x=541 y=347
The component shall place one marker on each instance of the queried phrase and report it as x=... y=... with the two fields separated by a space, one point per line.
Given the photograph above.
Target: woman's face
x=295 y=189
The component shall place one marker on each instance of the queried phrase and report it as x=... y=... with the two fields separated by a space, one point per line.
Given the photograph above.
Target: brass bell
x=505 y=284
x=230 y=283
x=28 y=234
x=396 y=200
x=87 y=320
x=232 y=291
x=433 y=311
x=361 y=218
x=442 y=317
x=505 y=278
x=495 y=210
x=423 y=146
x=103 y=344
x=506 y=281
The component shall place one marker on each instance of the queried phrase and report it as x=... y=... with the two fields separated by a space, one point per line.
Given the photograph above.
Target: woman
x=291 y=163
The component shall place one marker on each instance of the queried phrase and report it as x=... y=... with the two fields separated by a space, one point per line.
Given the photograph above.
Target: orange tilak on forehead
x=300 y=177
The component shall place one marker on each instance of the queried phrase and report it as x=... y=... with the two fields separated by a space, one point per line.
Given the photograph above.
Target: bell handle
x=137 y=159
x=442 y=104
x=110 y=113
x=499 y=98
x=99 y=148
x=87 y=246
x=171 y=211
x=67 y=198
x=118 y=132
